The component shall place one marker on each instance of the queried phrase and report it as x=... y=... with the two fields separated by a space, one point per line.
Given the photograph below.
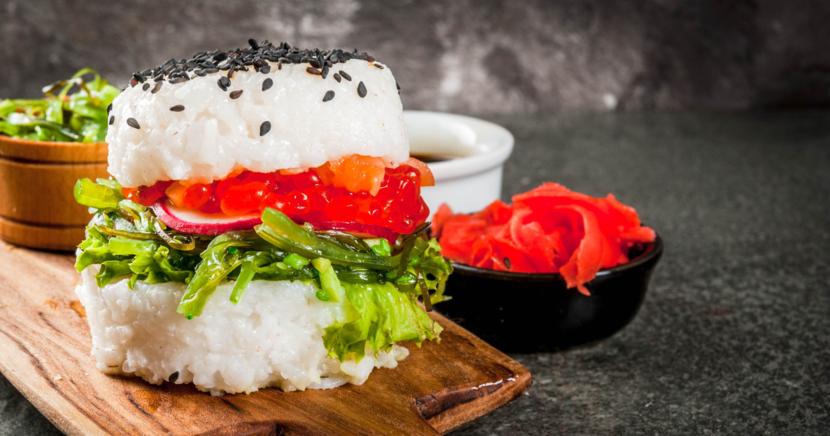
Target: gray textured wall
x=463 y=55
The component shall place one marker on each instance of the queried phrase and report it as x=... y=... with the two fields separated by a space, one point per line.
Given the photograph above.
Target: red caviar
x=341 y=191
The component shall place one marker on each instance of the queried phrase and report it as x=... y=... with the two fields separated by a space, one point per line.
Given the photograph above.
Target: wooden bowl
x=37 y=208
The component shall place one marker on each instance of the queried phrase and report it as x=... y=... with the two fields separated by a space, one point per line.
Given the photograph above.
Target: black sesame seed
x=507 y=263
x=312 y=70
x=267 y=84
x=397 y=86
x=109 y=108
x=224 y=83
x=337 y=77
x=236 y=94
x=257 y=55
x=346 y=75
x=329 y=96
x=157 y=87
x=173 y=377
x=264 y=128
x=177 y=108
x=133 y=123
x=361 y=90
x=145 y=87
x=112 y=119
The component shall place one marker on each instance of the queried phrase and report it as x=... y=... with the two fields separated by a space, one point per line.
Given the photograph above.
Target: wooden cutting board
x=45 y=352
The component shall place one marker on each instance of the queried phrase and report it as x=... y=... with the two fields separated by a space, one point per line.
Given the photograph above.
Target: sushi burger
x=263 y=226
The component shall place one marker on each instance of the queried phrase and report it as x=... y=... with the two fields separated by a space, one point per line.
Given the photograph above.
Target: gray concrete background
x=734 y=335
x=464 y=55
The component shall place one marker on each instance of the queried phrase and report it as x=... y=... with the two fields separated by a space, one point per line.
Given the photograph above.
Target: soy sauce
x=432 y=158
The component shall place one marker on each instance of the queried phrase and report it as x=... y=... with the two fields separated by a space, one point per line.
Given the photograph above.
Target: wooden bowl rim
x=46 y=151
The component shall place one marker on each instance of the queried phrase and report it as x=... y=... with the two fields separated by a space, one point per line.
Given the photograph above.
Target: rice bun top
x=264 y=108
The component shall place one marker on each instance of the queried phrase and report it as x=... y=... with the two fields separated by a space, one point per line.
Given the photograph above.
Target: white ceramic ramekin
x=471 y=181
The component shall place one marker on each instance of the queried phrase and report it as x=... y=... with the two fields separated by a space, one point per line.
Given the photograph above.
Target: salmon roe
x=314 y=196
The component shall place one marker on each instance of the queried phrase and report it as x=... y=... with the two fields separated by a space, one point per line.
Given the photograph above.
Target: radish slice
x=358 y=229
x=198 y=223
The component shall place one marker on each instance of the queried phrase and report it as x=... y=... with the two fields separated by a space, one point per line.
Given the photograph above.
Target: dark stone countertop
x=734 y=335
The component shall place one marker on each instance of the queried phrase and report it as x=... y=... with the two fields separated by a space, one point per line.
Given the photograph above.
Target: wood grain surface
x=37 y=208
x=45 y=352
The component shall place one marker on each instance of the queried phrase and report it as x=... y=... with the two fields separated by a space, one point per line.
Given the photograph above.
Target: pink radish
x=198 y=223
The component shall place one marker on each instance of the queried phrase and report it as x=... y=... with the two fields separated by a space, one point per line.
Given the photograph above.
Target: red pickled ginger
x=547 y=230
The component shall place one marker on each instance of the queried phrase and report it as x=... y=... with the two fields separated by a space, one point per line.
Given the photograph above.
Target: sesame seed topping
x=224 y=83
x=177 y=108
x=378 y=66
x=157 y=87
x=329 y=96
x=361 y=90
x=133 y=123
x=337 y=77
x=109 y=108
x=259 y=56
x=145 y=87
x=112 y=119
x=264 y=128
x=312 y=70
x=346 y=75
x=267 y=84
x=236 y=94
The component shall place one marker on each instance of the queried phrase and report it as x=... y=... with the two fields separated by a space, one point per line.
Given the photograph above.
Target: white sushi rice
x=215 y=135
x=273 y=337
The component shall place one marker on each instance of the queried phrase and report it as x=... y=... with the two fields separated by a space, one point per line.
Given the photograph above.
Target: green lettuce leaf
x=98 y=196
x=385 y=316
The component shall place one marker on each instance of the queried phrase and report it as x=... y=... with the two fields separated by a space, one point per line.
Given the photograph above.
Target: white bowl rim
x=499 y=143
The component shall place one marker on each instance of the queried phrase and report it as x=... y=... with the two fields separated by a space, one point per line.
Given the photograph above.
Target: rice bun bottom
x=271 y=338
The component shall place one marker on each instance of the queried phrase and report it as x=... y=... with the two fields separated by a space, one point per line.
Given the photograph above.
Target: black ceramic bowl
x=521 y=312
